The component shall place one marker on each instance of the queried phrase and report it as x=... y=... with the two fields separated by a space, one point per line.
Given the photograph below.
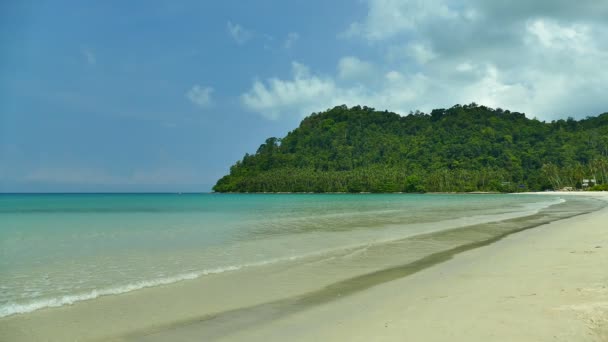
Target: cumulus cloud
x=238 y=33
x=421 y=53
x=308 y=92
x=352 y=68
x=387 y=18
x=546 y=58
x=200 y=96
x=551 y=35
x=275 y=96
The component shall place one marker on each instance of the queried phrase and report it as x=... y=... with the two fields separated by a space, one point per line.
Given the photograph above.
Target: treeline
x=463 y=148
x=375 y=179
x=572 y=176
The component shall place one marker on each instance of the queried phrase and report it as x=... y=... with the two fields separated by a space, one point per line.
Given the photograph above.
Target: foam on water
x=17 y=308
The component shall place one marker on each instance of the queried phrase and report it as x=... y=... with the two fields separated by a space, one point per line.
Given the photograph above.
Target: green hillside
x=463 y=148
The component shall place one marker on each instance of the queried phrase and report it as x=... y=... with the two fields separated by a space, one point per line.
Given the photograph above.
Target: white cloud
x=238 y=33
x=307 y=92
x=387 y=18
x=551 y=35
x=536 y=93
x=291 y=40
x=200 y=96
x=464 y=67
x=545 y=58
x=491 y=89
x=352 y=68
x=421 y=53
x=275 y=96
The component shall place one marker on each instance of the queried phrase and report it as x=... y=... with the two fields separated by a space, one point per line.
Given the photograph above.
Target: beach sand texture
x=545 y=284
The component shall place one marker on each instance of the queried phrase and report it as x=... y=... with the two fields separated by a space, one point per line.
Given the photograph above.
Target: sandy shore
x=545 y=284
x=549 y=283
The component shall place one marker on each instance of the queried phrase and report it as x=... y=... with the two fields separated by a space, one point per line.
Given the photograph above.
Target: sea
x=59 y=249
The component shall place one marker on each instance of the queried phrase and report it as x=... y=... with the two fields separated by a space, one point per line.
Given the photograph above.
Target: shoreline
x=120 y=288
x=164 y=305
x=543 y=284
x=553 y=192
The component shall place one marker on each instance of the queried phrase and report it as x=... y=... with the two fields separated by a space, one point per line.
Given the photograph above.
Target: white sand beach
x=545 y=284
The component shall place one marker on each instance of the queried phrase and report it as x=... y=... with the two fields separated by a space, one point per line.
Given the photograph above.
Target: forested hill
x=464 y=148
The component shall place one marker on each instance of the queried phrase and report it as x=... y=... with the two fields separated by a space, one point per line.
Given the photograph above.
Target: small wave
x=538 y=206
x=19 y=308
x=10 y=309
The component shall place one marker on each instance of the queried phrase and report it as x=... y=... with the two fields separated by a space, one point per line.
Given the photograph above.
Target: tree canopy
x=463 y=148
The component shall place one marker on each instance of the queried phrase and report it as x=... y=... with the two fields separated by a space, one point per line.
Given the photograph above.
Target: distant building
x=588 y=182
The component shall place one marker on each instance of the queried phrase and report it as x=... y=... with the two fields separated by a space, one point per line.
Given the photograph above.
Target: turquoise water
x=57 y=249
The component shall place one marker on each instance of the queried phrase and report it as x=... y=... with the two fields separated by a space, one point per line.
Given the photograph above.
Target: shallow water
x=60 y=249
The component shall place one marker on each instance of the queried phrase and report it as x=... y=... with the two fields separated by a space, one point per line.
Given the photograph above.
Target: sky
x=155 y=96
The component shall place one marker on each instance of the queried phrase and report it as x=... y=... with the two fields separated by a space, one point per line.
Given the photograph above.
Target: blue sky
x=166 y=95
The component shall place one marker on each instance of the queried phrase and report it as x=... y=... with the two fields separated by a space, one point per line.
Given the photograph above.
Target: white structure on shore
x=588 y=182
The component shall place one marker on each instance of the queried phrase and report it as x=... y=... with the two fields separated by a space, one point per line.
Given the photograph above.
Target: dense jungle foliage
x=460 y=149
